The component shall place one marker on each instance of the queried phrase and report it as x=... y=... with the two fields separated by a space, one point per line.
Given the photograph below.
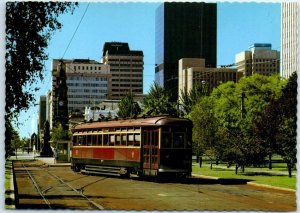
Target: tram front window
x=178 y=140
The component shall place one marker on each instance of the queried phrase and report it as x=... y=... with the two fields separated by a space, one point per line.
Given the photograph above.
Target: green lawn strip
x=256 y=175
x=7 y=181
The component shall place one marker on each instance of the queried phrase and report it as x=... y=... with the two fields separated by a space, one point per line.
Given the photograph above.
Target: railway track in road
x=51 y=188
x=64 y=189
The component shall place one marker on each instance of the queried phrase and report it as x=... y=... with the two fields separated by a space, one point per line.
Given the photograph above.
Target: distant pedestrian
x=55 y=155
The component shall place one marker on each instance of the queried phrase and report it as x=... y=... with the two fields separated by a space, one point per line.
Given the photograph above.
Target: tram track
x=61 y=183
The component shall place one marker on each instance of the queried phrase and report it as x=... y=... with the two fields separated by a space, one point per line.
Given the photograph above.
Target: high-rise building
x=183 y=30
x=260 y=58
x=192 y=71
x=88 y=84
x=289 y=38
x=126 y=67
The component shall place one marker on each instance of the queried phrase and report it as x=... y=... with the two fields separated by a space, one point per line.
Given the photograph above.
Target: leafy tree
x=278 y=124
x=128 y=107
x=237 y=107
x=205 y=128
x=29 y=27
x=17 y=143
x=158 y=102
x=189 y=98
x=59 y=133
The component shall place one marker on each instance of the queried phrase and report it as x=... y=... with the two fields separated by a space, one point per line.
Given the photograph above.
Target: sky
x=239 y=26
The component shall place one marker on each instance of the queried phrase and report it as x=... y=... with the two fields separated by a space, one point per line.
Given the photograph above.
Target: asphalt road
x=43 y=187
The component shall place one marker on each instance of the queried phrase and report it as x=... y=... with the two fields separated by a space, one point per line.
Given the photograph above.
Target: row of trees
x=239 y=123
x=242 y=123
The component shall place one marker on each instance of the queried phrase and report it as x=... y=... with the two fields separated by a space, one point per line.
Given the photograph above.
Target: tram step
x=102 y=167
x=92 y=169
x=100 y=173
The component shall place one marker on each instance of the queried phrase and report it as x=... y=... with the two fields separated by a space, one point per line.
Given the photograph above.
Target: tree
x=17 y=143
x=237 y=108
x=189 y=98
x=59 y=133
x=205 y=128
x=128 y=107
x=278 y=124
x=158 y=102
x=29 y=27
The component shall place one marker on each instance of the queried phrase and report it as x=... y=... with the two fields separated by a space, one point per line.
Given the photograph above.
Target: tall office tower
x=183 y=30
x=88 y=84
x=260 y=58
x=289 y=38
x=126 y=67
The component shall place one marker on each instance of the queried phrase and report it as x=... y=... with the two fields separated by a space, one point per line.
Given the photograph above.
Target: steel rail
x=37 y=187
x=98 y=206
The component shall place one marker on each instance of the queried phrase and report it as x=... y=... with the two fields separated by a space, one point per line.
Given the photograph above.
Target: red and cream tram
x=144 y=146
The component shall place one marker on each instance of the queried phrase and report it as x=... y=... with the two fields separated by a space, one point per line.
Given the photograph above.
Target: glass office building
x=183 y=30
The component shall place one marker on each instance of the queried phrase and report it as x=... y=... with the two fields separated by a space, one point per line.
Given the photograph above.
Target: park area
x=277 y=176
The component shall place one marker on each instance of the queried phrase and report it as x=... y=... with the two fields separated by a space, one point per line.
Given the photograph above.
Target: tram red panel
x=103 y=153
x=128 y=154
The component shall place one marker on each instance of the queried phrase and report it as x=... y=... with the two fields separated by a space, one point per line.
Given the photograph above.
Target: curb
x=271 y=187
x=249 y=183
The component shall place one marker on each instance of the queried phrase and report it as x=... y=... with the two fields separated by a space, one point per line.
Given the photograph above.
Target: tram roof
x=152 y=121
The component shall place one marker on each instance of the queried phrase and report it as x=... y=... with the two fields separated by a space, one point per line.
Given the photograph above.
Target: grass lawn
x=275 y=177
x=8 y=190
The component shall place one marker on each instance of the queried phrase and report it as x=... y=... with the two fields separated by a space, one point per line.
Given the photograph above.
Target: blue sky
x=239 y=26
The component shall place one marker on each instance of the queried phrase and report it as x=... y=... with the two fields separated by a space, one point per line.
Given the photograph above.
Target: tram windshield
x=174 y=137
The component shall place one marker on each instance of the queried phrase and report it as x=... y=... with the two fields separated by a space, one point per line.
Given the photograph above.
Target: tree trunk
x=236 y=168
x=270 y=160
x=289 y=165
x=210 y=163
x=243 y=168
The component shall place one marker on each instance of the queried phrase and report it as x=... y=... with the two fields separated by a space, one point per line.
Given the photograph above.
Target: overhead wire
x=76 y=30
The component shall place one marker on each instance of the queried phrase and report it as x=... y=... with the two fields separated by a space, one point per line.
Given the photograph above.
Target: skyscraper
x=126 y=67
x=289 y=38
x=183 y=30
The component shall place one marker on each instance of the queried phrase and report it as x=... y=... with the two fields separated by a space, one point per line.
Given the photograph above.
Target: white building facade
x=260 y=59
x=88 y=82
x=289 y=38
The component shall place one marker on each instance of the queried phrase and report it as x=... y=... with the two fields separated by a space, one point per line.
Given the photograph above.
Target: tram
x=153 y=146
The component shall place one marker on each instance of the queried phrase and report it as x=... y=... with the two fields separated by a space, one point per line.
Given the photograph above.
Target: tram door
x=150 y=152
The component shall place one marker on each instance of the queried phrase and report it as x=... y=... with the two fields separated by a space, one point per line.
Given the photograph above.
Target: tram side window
x=105 y=140
x=137 y=139
x=84 y=141
x=178 y=139
x=89 y=140
x=94 y=140
x=166 y=140
x=80 y=140
x=130 y=140
x=189 y=140
x=99 y=140
x=124 y=139
x=74 y=140
x=111 y=140
x=118 y=140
